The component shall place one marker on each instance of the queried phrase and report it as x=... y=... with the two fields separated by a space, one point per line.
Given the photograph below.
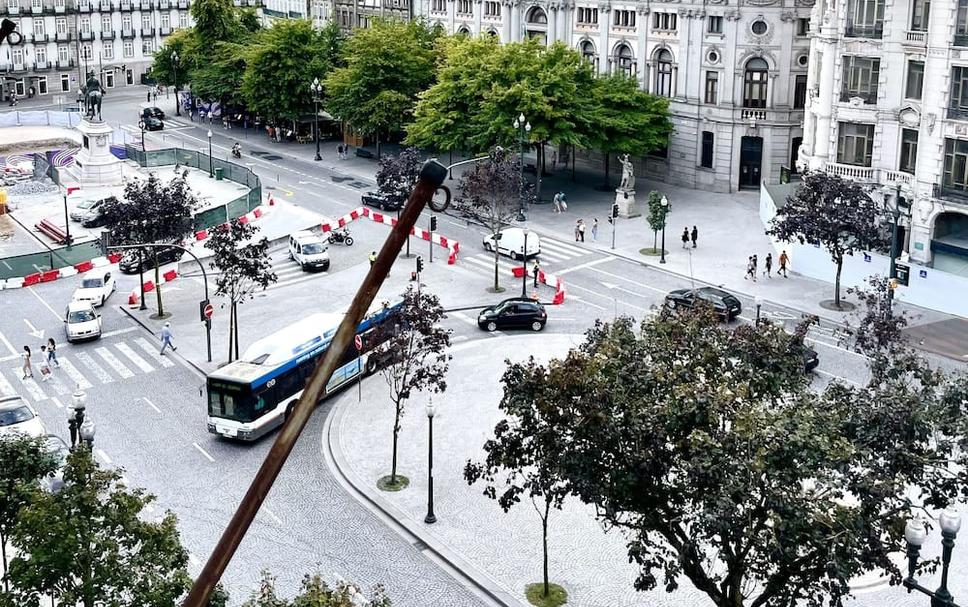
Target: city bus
x=255 y=394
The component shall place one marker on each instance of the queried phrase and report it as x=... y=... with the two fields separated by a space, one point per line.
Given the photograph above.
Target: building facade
x=888 y=105
x=735 y=72
x=351 y=14
x=61 y=38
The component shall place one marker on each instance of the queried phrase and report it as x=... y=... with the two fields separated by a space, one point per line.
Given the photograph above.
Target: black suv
x=725 y=304
x=515 y=313
x=129 y=263
x=379 y=201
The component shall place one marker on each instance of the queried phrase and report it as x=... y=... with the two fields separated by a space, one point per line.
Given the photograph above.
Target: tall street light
x=665 y=211
x=915 y=534
x=75 y=415
x=211 y=172
x=317 y=89
x=524 y=127
x=899 y=207
x=524 y=262
x=431 y=411
x=141 y=125
x=174 y=75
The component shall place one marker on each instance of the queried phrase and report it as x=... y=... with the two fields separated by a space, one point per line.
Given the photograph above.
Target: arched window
x=537 y=16
x=663 y=76
x=463 y=31
x=587 y=49
x=624 y=61
x=755 y=80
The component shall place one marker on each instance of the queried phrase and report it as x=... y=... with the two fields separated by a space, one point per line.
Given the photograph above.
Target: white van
x=309 y=250
x=510 y=242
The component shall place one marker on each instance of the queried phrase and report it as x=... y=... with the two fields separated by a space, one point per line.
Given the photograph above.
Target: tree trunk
x=230 y=333
x=655 y=240
x=573 y=149
x=378 y=145
x=544 y=544
x=396 y=434
x=3 y=555
x=497 y=260
x=840 y=266
x=235 y=316
x=161 y=309
x=607 y=159
x=538 y=161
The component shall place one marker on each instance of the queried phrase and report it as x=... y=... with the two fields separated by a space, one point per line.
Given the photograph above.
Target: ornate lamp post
x=317 y=88
x=87 y=434
x=524 y=263
x=524 y=127
x=915 y=534
x=665 y=211
x=75 y=415
x=141 y=125
x=174 y=75
x=759 y=304
x=211 y=171
x=431 y=411
x=900 y=207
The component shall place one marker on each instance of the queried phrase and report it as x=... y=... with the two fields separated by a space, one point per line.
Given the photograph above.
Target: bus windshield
x=229 y=400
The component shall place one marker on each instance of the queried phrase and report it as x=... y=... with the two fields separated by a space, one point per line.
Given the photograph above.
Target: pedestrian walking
x=191 y=115
x=756 y=264
x=695 y=236
x=44 y=365
x=372 y=258
x=750 y=271
x=768 y=265
x=784 y=261
x=595 y=230
x=339 y=151
x=149 y=96
x=28 y=370
x=166 y=337
x=581 y=230
x=564 y=201
x=685 y=237
x=535 y=271
x=52 y=352
x=556 y=201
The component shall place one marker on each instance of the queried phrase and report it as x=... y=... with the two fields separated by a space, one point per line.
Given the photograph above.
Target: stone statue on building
x=93 y=93
x=628 y=177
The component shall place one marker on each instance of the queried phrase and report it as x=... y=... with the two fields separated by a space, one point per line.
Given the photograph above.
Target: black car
x=810 y=359
x=95 y=214
x=153 y=112
x=129 y=263
x=379 y=201
x=152 y=123
x=725 y=304
x=515 y=313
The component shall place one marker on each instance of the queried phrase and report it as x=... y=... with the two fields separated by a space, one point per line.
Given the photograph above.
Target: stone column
x=825 y=100
x=478 y=17
x=506 y=21
x=604 y=24
x=515 y=9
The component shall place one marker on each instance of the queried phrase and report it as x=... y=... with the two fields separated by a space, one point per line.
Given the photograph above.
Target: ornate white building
x=736 y=72
x=888 y=105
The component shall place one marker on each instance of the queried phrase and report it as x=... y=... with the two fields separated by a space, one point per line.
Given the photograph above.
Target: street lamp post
x=211 y=172
x=174 y=75
x=87 y=434
x=759 y=304
x=317 y=89
x=665 y=211
x=431 y=517
x=75 y=415
x=915 y=534
x=900 y=207
x=524 y=127
x=524 y=264
x=141 y=125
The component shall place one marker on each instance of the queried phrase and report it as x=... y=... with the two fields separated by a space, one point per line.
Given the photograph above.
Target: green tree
x=23 y=462
x=657 y=216
x=834 y=212
x=625 y=119
x=88 y=544
x=152 y=212
x=265 y=595
x=386 y=66
x=708 y=448
x=219 y=78
x=315 y=592
x=164 y=69
x=215 y=21
x=280 y=68
x=243 y=268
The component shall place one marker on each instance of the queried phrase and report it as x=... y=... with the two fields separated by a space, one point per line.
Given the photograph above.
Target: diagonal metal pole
x=432 y=176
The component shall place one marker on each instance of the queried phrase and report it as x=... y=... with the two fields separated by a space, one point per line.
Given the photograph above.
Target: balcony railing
x=107 y=35
x=42 y=66
x=869 y=97
x=86 y=36
x=127 y=6
x=147 y=6
x=961 y=39
x=957 y=113
x=750 y=114
x=37 y=10
x=951 y=193
x=851 y=171
x=13 y=10
x=62 y=37
x=148 y=33
x=182 y=3
x=84 y=7
x=863 y=30
x=896 y=178
x=916 y=37
x=60 y=9
x=127 y=33
x=18 y=67
x=40 y=38
x=65 y=64
x=165 y=31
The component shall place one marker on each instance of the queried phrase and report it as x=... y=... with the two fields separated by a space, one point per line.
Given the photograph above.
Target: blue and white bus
x=253 y=395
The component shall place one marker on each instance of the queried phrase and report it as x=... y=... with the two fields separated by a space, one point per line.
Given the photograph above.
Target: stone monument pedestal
x=625 y=199
x=95 y=164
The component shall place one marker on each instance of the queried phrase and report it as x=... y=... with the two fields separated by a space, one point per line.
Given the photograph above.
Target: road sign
x=205 y=310
x=208 y=311
x=359 y=342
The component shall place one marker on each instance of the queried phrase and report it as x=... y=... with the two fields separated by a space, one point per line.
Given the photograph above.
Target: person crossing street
x=535 y=271
x=166 y=337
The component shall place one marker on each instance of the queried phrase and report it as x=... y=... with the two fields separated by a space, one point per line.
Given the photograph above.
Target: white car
x=81 y=321
x=96 y=286
x=16 y=416
x=309 y=250
x=510 y=242
x=86 y=209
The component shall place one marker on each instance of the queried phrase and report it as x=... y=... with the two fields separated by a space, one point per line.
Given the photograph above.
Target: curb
x=151 y=331
x=455 y=565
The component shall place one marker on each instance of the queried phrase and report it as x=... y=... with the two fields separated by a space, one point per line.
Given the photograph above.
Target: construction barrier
x=546 y=279
x=452 y=246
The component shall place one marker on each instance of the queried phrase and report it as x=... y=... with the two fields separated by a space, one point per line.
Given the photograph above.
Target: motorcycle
x=341 y=236
x=237 y=152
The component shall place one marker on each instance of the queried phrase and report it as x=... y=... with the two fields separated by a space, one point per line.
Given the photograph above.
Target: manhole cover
x=272 y=157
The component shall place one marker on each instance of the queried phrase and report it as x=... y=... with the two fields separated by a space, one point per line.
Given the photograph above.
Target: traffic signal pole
x=614 y=221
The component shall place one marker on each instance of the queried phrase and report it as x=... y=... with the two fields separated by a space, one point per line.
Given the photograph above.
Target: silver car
x=16 y=416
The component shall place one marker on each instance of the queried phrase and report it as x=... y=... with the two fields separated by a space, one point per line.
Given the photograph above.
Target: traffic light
x=105 y=241
x=614 y=210
x=419 y=264
x=433 y=223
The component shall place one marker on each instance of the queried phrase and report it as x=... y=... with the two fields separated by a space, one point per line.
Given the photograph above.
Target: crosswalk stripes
x=114 y=363
x=102 y=376
x=152 y=351
x=76 y=377
x=134 y=357
x=553 y=252
x=5 y=388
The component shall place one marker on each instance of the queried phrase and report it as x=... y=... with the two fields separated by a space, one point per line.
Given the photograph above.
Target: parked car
x=16 y=416
x=725 y=304
x=58 y=448
x=152 y=111
x=510 y=242
x=96 y=286
x=82 y=322
x=309 y=250
x=130 y=262
x=514 y=313
x=94 y=216
x=86 y=208
x=379 y=201
x=810 y=359
x=152 y=123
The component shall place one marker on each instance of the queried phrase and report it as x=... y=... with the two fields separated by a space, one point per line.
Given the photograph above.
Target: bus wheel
x=289 y=409
x=370 y=365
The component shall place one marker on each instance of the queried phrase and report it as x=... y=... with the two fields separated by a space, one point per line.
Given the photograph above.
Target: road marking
x=643 y=285
x=75 y=375
x=58 y=385
x=114 y=363
x=597 y=294
x=46 y=305
x=3 y=339
x=202 y=451
x=574 y=249
x=153 y=352
x=5 y=388
x=273 y=516
x=463 y=317
x=556 y=256
x=33 y=330
x=133 y=357
x=104 y=456
x=31 y=386
x=120 y=331
x=103 y=376
x=829 y=345
x=832 y=376
x=150 y=404
x=586 y=302
x=586 y=265
x=56 y=402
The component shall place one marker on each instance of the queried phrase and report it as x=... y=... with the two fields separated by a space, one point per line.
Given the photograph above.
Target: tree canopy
x=708 y=448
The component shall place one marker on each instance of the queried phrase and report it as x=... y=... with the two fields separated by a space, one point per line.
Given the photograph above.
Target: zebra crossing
x=84 y=369
x=288 y=271
x=553 y=253
x=170 y=124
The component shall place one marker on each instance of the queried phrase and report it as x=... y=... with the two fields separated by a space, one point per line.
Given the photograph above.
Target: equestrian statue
x=93 y=93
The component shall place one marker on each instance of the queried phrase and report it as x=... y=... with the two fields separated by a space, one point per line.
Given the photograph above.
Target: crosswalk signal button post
x=419 y=265
x=433 y=223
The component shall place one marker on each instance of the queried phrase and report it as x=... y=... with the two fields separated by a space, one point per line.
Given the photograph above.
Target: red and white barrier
x=249 y=217
x=452 y=246
x=134 y=298
x=545 y=279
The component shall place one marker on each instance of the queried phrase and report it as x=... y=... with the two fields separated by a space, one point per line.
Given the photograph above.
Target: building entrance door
x=750 y=160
